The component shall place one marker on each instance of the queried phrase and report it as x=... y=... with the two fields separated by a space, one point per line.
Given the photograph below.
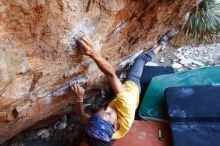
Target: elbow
x=110 y=72
x=111 y=75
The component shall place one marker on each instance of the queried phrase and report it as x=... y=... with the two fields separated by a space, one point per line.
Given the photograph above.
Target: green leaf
x=203 y=23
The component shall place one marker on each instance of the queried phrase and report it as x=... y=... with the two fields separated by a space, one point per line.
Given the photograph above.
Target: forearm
x=109 y=71
x=79 y=110
x=103 y=65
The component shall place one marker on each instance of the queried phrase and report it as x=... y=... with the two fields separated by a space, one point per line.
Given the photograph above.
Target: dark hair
x=96 y=142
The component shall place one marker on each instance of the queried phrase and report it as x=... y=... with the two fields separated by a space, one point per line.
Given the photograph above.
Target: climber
x=113 y=122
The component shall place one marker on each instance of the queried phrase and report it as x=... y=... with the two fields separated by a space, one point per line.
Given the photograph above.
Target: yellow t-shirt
x=125 y=104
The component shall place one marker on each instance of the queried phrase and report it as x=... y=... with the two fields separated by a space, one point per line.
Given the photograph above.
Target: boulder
x=38 y=53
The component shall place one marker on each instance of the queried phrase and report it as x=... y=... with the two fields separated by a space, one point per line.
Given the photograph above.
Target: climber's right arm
x=88 y=49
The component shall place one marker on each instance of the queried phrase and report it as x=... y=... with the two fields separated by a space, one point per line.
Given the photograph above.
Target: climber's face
x=108 y=115
x=104 y=115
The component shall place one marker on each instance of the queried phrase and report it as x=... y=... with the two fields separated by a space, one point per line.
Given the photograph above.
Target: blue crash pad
x=194 y=115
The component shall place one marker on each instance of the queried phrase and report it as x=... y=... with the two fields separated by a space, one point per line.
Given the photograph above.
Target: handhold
x=64 y=89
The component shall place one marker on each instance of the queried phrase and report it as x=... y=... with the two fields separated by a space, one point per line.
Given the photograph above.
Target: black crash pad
x=152 y=71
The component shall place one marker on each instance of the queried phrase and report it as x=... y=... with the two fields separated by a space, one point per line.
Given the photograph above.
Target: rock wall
x=38 y=53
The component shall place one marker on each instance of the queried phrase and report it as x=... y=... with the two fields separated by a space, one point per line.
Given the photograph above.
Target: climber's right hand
x=86 y=46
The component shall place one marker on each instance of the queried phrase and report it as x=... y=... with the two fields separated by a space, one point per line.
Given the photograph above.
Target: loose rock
x=43 y=133
x=151 y=64
x=176 y=65
x=162 y=60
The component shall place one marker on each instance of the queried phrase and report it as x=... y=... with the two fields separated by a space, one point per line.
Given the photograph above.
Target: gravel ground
x=189 y=57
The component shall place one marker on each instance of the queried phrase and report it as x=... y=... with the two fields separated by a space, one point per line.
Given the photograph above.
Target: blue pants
x=137 y=68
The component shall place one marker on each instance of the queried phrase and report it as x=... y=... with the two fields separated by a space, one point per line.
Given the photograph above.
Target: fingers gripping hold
x=79 y=92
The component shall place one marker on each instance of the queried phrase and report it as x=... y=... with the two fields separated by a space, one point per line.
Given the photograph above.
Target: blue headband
x=99 y=129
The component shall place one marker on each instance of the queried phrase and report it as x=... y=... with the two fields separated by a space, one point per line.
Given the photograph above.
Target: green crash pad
x=153 y=106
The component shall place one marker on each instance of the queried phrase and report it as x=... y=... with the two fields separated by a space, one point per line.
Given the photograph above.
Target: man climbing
x=112 y=123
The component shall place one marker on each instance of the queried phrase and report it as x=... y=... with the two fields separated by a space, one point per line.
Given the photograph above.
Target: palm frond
x=202 y=25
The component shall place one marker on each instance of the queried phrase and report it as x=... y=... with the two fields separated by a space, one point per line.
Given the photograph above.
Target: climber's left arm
x=78 y=106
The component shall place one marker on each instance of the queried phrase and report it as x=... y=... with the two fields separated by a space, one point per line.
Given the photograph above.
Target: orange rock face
x=37 y=52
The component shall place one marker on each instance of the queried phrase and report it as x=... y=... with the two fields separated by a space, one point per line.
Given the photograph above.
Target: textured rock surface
x=36 y=53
